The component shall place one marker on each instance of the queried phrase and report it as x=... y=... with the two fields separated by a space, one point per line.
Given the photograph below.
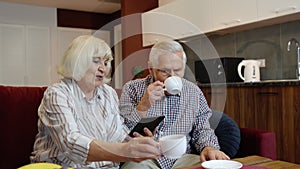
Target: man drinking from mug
x=185 y=113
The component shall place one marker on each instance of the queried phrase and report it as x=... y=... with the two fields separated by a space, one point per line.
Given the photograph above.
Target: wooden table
x=259 y=161
x=277 y=164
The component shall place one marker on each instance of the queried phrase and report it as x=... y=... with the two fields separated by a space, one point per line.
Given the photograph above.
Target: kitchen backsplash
x=269 y=43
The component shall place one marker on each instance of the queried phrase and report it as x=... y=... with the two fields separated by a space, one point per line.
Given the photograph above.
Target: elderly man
x=185 y=113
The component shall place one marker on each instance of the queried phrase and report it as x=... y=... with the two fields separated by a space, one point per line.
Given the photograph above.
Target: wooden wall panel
x=132 y=32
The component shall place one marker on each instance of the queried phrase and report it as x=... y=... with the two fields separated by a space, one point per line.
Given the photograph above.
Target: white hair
x=165 y=48
x=79 y=55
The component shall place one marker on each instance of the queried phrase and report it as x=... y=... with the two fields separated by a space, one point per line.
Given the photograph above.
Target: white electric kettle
x=251 y=71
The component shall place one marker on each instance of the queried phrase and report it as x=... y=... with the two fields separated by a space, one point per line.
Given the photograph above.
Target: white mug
x=173 y=85
x=173 y=146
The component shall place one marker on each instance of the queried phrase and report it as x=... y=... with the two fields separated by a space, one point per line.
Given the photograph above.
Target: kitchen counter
x=262 y=105
x=263 y=83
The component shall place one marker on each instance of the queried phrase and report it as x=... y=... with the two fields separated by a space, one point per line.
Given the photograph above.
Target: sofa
x=18 y=121
x=241 y=142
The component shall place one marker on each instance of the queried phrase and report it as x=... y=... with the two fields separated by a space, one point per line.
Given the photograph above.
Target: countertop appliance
x=251 y=70
x=218 y=70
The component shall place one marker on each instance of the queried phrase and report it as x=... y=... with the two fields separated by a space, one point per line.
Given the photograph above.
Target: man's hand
x=153 y=93
x=210 y=153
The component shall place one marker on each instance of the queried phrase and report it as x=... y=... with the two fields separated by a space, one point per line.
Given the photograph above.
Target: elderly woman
x=79 y=123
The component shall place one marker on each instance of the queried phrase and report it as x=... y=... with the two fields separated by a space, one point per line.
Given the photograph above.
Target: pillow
x=227 y=131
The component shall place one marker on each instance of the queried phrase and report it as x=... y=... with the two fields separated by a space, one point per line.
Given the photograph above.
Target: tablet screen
x=150 y=122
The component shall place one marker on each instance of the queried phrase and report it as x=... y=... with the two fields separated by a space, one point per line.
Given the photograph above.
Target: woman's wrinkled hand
x=141 y=148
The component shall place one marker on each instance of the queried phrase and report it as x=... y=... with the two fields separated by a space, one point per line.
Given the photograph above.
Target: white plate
x=221 y=164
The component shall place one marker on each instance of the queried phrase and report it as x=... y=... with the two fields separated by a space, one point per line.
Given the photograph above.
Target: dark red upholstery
x=257 y=142
x=119 y=92
x=18 y=124
x=242 y=142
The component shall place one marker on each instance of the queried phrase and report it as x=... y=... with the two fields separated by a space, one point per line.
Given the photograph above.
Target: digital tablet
x=150 y=122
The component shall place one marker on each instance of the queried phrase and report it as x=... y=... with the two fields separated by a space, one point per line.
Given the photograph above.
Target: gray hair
x=165 y=48
x=79 y=55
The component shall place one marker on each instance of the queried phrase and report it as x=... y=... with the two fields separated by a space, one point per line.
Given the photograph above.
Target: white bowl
x=173 y=146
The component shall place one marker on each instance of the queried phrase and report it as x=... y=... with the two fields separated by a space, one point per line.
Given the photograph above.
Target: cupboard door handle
x=290 y=8
x=215 y=93
x=267 y=93
x=232 y=22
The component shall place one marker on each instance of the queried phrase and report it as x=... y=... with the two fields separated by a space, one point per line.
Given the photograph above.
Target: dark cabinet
x=291 y=123
x=245 y=104
x=273 y=108
x=268 y=113
x=224 y=99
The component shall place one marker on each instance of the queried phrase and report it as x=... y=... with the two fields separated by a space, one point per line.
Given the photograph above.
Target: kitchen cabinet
x=38 y=56
x=215 y=97
x=176 y=20
x=223 y=99
x=290 y=123
x=30 y=40
x=273 y=108
x=267 y=113
x=194 y=13
x=229 y=13
x=24 y=49
x=156 y=27
x=164 y=2
x=245 y=105
x=267 y=9
x=27 y=48
x=181 y=19
x=12 y=54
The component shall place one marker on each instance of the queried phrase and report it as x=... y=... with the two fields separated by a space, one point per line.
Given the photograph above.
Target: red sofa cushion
x=257 y=142
x=18 y=125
